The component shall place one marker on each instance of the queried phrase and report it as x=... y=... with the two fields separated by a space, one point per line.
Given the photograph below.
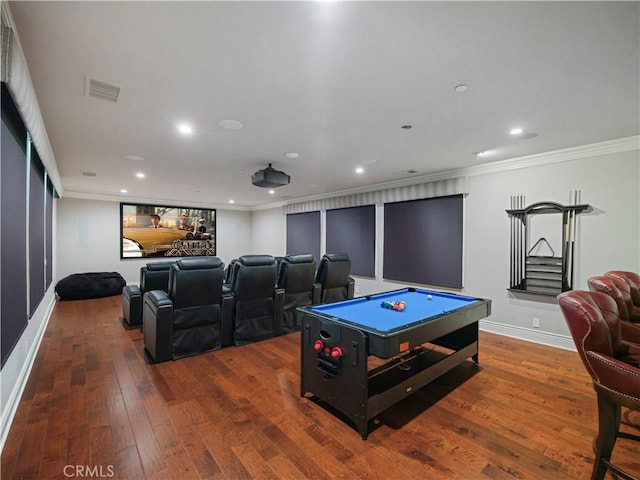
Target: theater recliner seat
x=193 y=316
x=333 y=276
x=153 y=276
x=258 y=304
x=296 y=277
x=228 y=273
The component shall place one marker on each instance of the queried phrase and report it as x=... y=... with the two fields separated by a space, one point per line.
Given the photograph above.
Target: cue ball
x=429 y=297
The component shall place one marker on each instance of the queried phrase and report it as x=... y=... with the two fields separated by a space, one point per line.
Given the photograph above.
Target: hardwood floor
x=93 y=408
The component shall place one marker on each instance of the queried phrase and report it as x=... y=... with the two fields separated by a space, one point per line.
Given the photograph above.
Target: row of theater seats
x=192 y=305
x=605 y=325
x=303 y=284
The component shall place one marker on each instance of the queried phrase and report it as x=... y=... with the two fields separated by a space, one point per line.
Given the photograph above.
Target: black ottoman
x=82 y=286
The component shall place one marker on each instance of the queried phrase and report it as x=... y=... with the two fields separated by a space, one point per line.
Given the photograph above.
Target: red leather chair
x=633 y=279
x=612 y=363
x=611 y=286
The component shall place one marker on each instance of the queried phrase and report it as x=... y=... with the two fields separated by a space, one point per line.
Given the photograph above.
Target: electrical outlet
x=536 y=322
x=26 y=346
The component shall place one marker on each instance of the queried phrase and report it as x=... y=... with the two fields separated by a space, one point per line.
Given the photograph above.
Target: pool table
x=337 y=339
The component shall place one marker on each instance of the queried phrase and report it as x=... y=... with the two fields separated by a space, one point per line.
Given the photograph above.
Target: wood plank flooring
x=93 y=408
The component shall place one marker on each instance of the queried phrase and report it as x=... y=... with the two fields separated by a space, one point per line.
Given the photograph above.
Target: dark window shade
x=353 y=230
x=49 y=233
x=423 y=241
x=36 y=232
x=13 y=221
x=303 y=234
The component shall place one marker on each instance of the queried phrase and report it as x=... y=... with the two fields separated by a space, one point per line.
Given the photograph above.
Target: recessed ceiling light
x=527 y=136
x=230 y=124
x=359 y=170
x=271 y=192
x=185 y=129
x=461 y=88
x=123 y=190
x=135 y=158
x=140 y=175
x=232 y=201
x=406 y=127
x=292 y=155
x=515 y=131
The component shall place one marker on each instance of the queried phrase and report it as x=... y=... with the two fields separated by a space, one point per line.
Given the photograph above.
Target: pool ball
x=429 y=297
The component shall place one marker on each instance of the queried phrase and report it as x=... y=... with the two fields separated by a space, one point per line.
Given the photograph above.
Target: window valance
x=15 y=74
x=437 y=188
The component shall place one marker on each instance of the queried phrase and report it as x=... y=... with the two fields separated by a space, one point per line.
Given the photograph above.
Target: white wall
x=269 y=232
x=234 y=234
x=608 y=237
x=88 y=236
x=88 y=239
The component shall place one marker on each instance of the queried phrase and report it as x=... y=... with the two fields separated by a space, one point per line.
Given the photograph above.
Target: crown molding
x=555 y=156
x=157 y=201
x=539 y=159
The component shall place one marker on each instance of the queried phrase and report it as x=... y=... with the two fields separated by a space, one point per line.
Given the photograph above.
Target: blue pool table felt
x=366 y=312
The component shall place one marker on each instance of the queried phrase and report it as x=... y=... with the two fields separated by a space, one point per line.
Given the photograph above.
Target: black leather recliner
x=296 y=277
x=259 y=304
x=333 y=276
x=279 y=261
x=228 y=273
x=153 y=276
x=193 y=316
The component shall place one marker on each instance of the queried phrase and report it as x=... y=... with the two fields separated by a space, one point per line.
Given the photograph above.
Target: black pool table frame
x=347 y=384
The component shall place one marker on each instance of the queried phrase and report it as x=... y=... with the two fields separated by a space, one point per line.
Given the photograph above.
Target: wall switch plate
x=536 y=322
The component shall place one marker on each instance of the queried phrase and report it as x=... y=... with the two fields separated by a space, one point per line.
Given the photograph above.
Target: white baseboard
x=9 y=410
x=529 y=334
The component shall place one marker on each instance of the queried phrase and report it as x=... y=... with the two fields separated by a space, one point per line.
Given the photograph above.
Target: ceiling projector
x=270 y=178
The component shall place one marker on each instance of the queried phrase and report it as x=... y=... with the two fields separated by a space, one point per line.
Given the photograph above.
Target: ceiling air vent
x=88 y=174
x=99 y=89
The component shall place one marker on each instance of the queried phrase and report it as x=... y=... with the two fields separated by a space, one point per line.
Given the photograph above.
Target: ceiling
x=331 y=81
